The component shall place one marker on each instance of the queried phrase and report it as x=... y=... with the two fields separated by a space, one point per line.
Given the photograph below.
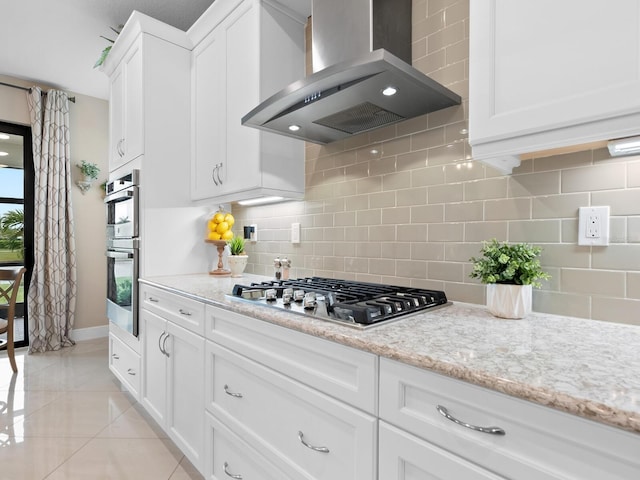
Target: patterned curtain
x=52 y=292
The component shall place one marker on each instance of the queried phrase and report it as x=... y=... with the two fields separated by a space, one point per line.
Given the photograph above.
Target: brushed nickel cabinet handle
x=218 y=173
x=115 y=356
x=160 y=343
x=153 y=299
x=230 y=393
x=184 y=312
x=491 y=430
x=131 y=372
x=213 y=175
x=315 y=449
x=164 y=346
x=229 y=474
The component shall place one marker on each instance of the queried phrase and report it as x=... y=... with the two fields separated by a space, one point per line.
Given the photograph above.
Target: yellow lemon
x=222 y=227
x=213 y=236
x=229 y=219
x=218 y=217
x=228 y=235
x=211 y=225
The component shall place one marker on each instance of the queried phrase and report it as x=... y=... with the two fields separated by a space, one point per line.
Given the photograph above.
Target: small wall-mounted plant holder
x=90 y=172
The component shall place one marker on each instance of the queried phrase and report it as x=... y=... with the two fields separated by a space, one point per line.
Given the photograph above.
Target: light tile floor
x=65 y=416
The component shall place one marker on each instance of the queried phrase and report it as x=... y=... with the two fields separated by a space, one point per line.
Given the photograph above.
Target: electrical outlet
x=593 y=226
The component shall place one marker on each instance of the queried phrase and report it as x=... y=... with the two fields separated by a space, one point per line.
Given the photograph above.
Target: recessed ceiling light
x=389 y=91
x=4 y=136
x=3 y=154
x=294 y=128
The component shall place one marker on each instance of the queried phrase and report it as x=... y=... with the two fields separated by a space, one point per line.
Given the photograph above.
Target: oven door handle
x=124 y=194
x=119 y=254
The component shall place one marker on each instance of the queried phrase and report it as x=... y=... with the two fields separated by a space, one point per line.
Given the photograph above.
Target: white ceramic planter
x=237 y=264
x=509 y=301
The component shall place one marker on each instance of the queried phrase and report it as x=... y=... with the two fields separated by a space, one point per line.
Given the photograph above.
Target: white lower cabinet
x=538 y=443
x=304 y=432
x=252 y=400
x=124 y=363
x=406 y=457
x=230 y=457
x=172 y=386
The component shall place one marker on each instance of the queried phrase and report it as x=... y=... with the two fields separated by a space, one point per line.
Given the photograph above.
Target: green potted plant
x=238 y=258
x=90 y=171
x=510 y=271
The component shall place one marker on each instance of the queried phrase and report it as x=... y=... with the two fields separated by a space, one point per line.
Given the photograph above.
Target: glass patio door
x=16 y=213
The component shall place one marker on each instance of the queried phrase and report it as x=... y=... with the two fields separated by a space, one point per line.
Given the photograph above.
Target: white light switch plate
x=593 y=226
x=295 y=233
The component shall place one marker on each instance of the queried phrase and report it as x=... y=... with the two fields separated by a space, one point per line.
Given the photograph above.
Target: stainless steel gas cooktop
x=357 y=304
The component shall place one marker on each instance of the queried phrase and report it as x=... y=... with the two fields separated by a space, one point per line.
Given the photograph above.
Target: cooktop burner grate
x=356 y=303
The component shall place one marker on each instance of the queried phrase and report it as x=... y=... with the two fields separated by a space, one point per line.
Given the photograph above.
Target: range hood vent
x=344 y=96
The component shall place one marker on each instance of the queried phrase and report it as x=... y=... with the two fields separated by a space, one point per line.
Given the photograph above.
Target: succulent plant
x=236 y=246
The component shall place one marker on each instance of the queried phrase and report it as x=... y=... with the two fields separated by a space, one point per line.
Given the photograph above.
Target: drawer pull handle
x=184 y=312
x=131 y=372
x=492 y=430
x=115 y=356
x=230 y=393
x=315 y=449
x=154 y=300
x=229 y=474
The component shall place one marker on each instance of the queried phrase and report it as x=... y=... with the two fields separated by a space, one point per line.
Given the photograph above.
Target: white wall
x=89 y=119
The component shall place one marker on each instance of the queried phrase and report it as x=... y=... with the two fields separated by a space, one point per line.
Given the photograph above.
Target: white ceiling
x=56 y=42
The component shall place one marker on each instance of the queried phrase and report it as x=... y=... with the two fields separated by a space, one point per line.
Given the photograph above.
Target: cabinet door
x=208 y=138
x=133 y=103
x=547 y=74
x=405 y=457
x=185 y=418
x=154 y=366
x=242 y=164
x=126 y=109
x=116 y=119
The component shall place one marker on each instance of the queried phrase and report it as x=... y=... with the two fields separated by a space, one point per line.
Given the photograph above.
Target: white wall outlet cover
x=593 y=226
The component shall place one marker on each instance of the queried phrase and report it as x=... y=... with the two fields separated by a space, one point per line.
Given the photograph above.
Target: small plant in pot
x=238 y=258
x=89 y=170
x=510 y=272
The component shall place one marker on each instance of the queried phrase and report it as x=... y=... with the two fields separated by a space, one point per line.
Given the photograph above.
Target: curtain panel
x=52 y=292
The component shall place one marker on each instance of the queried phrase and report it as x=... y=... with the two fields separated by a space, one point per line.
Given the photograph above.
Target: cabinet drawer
x=125 y=365
x=345 y=373
x=276 y=414
x=183 y=311
x=405 y=457
x=539 y=442
x=228 y=455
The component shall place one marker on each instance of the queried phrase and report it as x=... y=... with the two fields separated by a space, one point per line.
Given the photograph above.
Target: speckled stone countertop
x=584 y=367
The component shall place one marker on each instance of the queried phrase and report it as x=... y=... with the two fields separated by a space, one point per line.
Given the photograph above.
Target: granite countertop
x=584 y=367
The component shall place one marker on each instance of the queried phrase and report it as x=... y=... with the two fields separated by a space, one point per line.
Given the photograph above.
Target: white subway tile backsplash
x=396 y=215
x=596 y=282
x=486 y=189
x=446 y=232
x=507 y=209
x=465 y=211
x=482 y=231
x=559 y=206
x=534 y=184
x=622 y=202
x=535 y=231
x=445 y=193
x=619 y=310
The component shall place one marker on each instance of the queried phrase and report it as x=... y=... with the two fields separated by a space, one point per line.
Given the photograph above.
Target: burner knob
x=271 y=294
x=309 y=301
x=298 y=295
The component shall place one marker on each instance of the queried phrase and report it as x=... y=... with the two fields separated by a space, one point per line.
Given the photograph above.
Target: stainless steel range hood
x=361 y=48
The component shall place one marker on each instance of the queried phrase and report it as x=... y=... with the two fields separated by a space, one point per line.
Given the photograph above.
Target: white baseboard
x=89 y=333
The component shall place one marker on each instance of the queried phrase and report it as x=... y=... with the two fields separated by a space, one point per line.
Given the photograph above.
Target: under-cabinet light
x=260 y=201
x=3 y=154
x=624 y=146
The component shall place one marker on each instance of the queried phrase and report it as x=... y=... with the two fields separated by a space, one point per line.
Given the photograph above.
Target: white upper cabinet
x=245 y=51
x=546 y=74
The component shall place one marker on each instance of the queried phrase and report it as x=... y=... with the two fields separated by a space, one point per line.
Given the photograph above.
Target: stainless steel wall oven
x=122 y=202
